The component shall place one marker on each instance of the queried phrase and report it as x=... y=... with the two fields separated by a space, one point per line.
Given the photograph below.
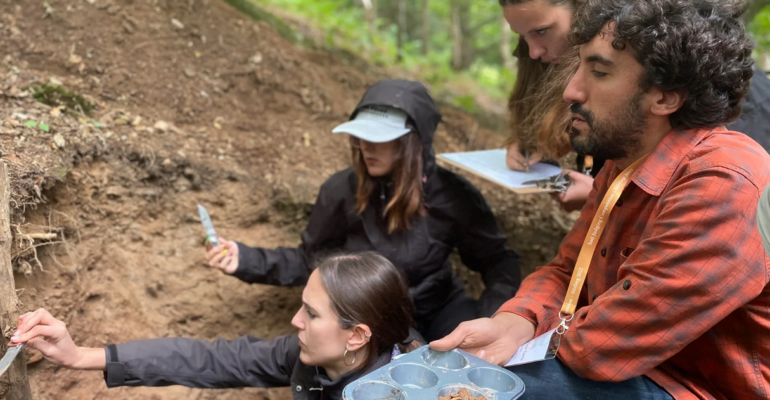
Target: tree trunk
x=14 y=384
x=374 y=9
x=462 y=40
x=506 y=53
x=401 y=30
x=755 y=6
x=425 y=27
x=457 y=36
x=369 y=8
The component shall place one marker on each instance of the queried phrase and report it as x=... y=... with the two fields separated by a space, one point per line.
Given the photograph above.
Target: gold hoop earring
x=345 y=356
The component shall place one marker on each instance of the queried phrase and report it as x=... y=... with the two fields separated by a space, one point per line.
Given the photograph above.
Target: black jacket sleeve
x=285 y=266
x=244 y=362
x=483 y=248
x=754 y=121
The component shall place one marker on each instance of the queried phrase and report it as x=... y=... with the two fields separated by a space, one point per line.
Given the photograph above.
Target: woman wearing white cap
x=395 y=200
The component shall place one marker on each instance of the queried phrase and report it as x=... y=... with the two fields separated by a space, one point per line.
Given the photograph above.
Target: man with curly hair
x=538 y=123
x=660 y=290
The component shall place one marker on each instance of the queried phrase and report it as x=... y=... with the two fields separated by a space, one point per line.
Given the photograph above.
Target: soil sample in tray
x=462 y=394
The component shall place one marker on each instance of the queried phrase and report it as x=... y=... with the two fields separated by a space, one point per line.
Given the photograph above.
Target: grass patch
x=57 y=96
x=258 y=14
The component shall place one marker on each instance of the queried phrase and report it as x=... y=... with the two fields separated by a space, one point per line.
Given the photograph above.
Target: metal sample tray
x=425 y=374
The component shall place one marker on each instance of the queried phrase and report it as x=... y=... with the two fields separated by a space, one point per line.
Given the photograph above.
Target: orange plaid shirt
x=678 y=286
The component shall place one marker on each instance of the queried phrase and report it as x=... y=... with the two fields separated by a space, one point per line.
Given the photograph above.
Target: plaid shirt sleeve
x=688 y=272
x=542 y=293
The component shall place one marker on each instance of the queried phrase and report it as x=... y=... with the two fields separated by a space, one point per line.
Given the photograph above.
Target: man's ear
x=359 y=337
x=666 y=103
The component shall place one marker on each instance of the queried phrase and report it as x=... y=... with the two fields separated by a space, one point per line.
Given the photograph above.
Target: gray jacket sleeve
x=285 y=266
x=244 y=362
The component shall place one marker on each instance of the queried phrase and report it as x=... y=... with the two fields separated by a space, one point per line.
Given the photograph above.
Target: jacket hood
x=413 y=98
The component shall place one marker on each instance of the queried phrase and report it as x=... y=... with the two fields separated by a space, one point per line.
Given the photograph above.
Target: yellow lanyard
x=592 y=239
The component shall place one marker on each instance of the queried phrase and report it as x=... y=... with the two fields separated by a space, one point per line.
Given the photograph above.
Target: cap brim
x=371 y=131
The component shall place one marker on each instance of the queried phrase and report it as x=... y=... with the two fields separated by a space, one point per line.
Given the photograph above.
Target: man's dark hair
x=698 y=47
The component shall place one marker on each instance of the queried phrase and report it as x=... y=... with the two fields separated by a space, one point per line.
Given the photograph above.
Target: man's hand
x=516 y=161
x=577 y=193
x=492 y=339
x=223 y=257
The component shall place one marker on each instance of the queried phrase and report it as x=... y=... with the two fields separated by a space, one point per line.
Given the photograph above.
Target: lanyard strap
x=592 y=239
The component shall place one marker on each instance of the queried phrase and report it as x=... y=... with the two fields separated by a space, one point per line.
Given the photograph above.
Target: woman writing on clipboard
x=395 y=200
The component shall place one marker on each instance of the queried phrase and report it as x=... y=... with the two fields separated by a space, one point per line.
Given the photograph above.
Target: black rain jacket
x=457 y=217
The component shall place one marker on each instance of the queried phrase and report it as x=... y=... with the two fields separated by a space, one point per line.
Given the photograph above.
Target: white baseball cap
x=376 y=124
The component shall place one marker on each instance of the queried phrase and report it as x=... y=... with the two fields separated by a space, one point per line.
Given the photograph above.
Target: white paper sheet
x=491 y=165
x=537 y=349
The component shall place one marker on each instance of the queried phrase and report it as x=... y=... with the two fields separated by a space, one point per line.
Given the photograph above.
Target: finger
x=217 y=260
x=41 y=344
x=451 y=341
x=228 y=262
x=232 y=246
x=21 y=317
x=516 y=164
x=44 y=331
x=39 y=317
x=534 y=159
x=215 y=251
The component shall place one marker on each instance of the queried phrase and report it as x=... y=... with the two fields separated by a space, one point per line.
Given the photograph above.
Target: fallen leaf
x=56 y=111
x=59 y=141
x=161 y=126
x=44 y=127
x=75 y=59
x=218 y=122
x=255 y=59
x=30 y=124
x=177 y=23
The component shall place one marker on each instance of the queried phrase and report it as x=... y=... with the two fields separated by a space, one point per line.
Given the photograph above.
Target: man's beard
x=611 y=140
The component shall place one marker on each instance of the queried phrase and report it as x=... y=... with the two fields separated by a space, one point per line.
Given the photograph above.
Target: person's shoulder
x=453 y=183
x=734 y=151
x=453 y=190
x=340 y=184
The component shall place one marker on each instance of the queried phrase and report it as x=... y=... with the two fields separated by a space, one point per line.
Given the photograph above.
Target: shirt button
x=619 y=203
x=604 y=252
x=626 y=284
x=299 y=388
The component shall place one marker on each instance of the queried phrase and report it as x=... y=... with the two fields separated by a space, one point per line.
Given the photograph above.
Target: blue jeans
x=552 y=380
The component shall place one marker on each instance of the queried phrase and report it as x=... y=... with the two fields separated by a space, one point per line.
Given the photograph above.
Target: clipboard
x=490 y=166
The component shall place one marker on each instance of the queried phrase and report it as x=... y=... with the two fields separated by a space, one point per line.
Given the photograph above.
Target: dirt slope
x=196 y=104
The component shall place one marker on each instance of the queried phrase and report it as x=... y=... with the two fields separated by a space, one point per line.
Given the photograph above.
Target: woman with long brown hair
x=355 y=318
x=395 y=200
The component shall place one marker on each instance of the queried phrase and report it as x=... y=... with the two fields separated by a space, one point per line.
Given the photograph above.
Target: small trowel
x=10 y=355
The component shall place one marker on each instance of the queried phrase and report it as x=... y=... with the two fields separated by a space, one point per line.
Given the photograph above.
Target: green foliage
x=256 y=13
x=344 y=23
x=56 y=95
x=345 y=27
x=760 y=30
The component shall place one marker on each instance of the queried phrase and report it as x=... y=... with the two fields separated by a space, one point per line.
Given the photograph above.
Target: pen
x=526 y=164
